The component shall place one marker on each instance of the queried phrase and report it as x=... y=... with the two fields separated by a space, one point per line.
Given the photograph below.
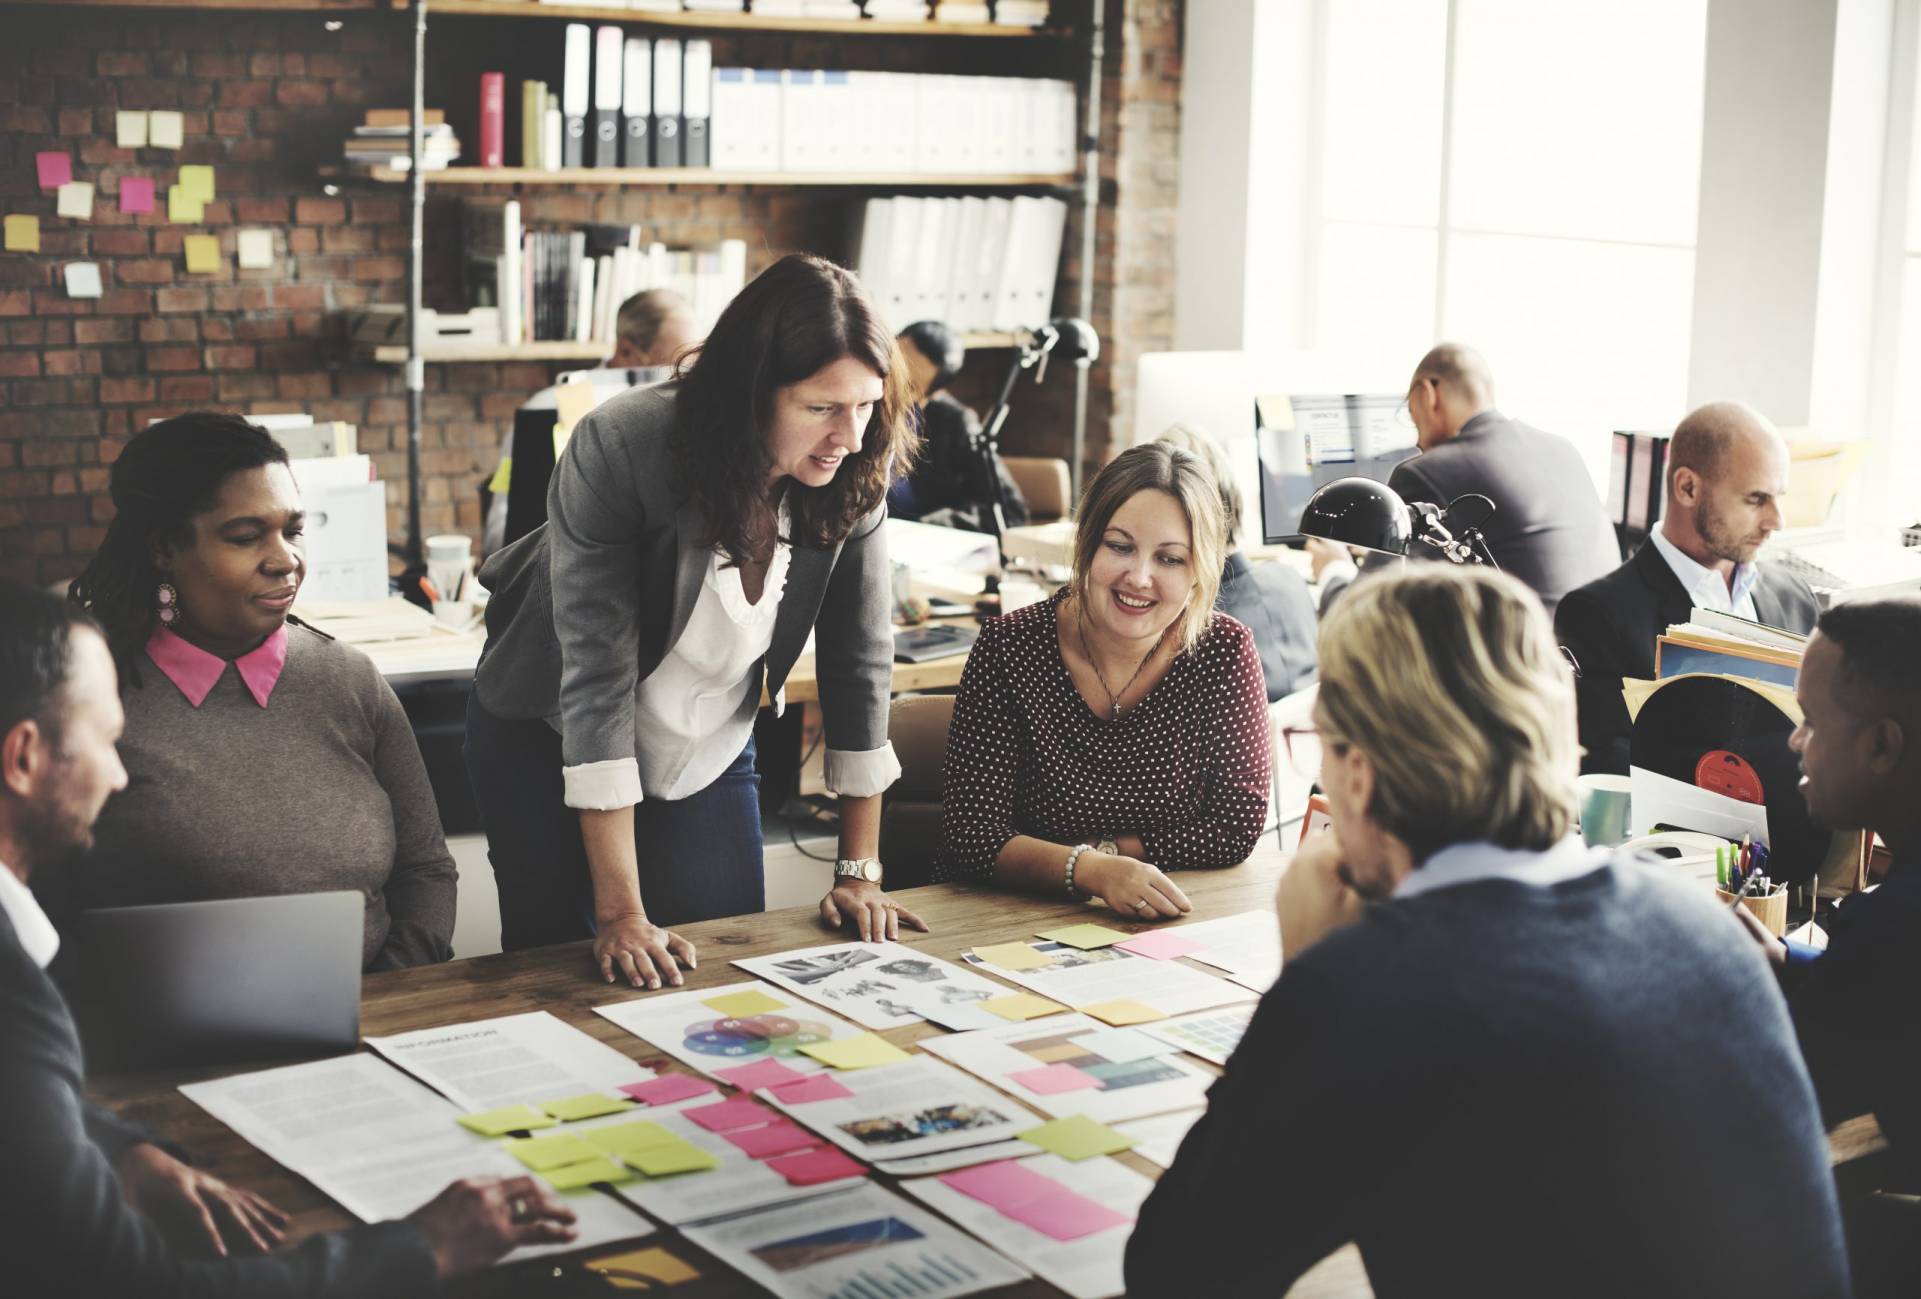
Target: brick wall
x=267 y=99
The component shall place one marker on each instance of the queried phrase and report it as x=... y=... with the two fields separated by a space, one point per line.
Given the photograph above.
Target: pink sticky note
x=55 y=169
x=781 y=1137
x=136 y=194
x=1001 y=1184
x=821 y=1087
x=816 y=1166
x=1162 y=945
x=728 y=1115
x=668 y=1088
x=761 y=1073
x=1065 y=1215
x=1055 y=1078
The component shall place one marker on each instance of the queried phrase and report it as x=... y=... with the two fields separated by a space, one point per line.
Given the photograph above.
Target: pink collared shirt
x=196 y=671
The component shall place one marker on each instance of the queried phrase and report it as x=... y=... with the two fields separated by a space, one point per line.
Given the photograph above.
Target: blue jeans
x=700 y=856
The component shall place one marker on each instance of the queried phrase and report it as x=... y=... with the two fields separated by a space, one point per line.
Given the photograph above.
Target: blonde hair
x=1189 y=437
x=1156 y=466
x=1449 y=681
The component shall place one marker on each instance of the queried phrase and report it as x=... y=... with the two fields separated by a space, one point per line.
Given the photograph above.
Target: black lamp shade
x=1359 y=512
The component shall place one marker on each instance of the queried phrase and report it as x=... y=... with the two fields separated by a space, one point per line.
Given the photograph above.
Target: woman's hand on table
x=645 y=954
x=867 y=905
x=1130 y=887
x=196 y=1209
x=1316 y=895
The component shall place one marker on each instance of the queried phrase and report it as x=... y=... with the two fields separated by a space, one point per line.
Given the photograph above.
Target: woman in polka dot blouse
x=1118 y=730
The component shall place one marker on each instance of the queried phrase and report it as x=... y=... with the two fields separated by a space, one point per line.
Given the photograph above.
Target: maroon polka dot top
x=1186 y=769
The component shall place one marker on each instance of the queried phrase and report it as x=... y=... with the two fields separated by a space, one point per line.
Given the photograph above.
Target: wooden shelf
x=734 y=22
x=456 y=353
x=309 y=6
x=651 y=176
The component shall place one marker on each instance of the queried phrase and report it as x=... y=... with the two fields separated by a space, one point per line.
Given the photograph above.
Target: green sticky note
x=862 y=1051
x=1123 y=1011
x=590 y=1105
x=203 y=254
x=512 y=1118
x=1012 y=956
x=748 y=1001
x=1078 y=1137
x=543 y=1153
x=1019 y=1006
x=1086 y=936
x=677 y=1156
x=198 y=181
x=571 y=1177
x=627 y=1138
x=184 y=209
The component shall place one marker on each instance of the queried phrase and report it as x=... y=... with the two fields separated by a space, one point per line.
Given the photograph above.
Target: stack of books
x=848 y=9
x=897 y=11
x=1021 y=13
x=954 y=11
x=382 y=140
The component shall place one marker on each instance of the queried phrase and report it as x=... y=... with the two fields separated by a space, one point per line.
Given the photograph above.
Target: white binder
x=731 y=123
x=574 y=94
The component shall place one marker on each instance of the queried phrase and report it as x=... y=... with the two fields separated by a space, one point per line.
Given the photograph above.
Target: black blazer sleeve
x=64 y=1228
x=1588 y=633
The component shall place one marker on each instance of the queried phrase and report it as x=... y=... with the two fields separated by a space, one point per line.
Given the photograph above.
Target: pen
x=428 y=589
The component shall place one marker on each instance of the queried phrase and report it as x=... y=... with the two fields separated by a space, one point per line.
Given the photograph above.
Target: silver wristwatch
x=858 y=868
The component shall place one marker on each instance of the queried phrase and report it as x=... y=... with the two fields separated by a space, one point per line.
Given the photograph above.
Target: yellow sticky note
x=165 y=129
x=203 y=254
x=1086 y=936
x=571 y=1177
x=542 y=1153
x=23 y=234
x=1123 y=1011
x=1012 y=956
x=862 y=1051
x=197 y=180
x=183 y=209
x=677 y=1156
x=591 y=1105
x=642 y=1269
x=75 y=199
x=748 y=1001
x=511 y=1118
x=130 y=130
x=1078 y=1137
x=1018 y=1006
x=628 y=1138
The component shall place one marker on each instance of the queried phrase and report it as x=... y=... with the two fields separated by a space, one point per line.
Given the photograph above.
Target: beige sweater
x=322 y=789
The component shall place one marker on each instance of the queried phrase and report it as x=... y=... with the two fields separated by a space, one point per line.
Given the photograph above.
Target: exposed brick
x=320 y=211
x=147 y=270
x=173 y=358
x=129 y=389
x=261 y=211
x=231 y=357
x=102 y=331
x=122 y=242
x=171 y=329
x=19 y=365
x=245 y=94
x=180 y=300
x=187 y=388
x=302 y=94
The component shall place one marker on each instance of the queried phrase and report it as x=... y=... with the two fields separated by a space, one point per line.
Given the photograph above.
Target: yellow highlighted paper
x=861 y=1051
x=679 y=1156
x=1012 y=956
x=1078 y=1137
x=1086 y=936
x=23 y=234
x=591 y=1105
x=203 y=254
x=749 y=1001
x=1123 y=1011
x=543 y=1153
x=629 y=1138
x=1019 y=1006
x=572 y=1177
x=511 y=1118
x=197 y=180
x=183 y=209
x=642 y=1269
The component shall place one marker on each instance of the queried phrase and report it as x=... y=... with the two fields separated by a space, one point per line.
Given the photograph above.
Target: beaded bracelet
x=1073 y=857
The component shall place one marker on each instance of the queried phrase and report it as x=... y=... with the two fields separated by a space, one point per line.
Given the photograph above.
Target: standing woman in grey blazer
x=696 y=534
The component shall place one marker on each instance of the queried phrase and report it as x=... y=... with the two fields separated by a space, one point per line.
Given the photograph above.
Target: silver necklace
x=1114 y=699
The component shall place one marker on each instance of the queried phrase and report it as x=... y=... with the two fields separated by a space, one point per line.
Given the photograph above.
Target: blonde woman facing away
x=1501 y=1062
x=1117 y=731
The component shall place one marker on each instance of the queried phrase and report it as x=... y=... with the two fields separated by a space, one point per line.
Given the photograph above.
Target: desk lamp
x=1069 y=337
x=1371 y=515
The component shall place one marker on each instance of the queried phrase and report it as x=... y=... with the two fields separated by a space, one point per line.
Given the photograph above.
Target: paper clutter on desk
x=862 y=1051
x=1160 y=945
x=573 y=1177
x=668 y=1088
x=820 y=1087
x=1018 y=1006
x=781 y=1137
x=543 y=1153
x=1012 y=956
x=678 y=1156
x=815 y=1167
x=1053 y=1079
x=1085 y=936
x=1077 y=1137
x=1123 y=1011
x=626 y=1139
x=725 y=1116
x=1122 y=1045
x=641 y=1269
x=761 y=1073
x=590 y=1105
x=739 y=1005
x=510 y=1118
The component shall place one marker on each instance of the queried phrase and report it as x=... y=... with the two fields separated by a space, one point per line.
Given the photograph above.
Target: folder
x=1010 y=302
x=574 y=95
x=871 y=262
x=637 y=102
x=731 y=130
x=834 y=125
x=800 y=143
x=963 y=293
x=667 y=103
x=903 y=242
x=697 y=99
x=992 y=257
x=609 y=71
x=765 y=91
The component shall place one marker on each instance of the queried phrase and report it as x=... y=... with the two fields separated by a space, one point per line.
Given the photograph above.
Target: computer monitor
x=1307 y=441
x=1637 y=486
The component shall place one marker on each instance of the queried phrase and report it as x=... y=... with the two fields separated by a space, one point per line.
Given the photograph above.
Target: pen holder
x=1771 y=910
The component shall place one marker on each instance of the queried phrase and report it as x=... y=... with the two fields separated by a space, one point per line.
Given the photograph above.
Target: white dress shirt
x=1470 y=863
x=30 y=924
x=1706 y=587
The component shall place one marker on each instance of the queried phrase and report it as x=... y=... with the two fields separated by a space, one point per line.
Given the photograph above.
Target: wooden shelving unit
x=265 y=6
x=713 y=22
x=574 y=176
x=455 y=353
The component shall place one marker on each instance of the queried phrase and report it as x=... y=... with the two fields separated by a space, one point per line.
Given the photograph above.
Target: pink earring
x=167 y=604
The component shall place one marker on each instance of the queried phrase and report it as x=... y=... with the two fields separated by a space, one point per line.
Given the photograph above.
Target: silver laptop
x=204 y=982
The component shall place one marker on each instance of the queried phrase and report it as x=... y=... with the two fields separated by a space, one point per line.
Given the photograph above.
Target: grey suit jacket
x=1548 y=528
x=586 y=606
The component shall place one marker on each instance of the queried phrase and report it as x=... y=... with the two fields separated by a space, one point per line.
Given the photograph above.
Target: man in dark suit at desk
x=1548 y=527
x=1727 y=473
x=89 y=1203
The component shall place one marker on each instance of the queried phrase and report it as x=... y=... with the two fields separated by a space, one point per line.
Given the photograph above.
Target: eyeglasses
x=1303 y=750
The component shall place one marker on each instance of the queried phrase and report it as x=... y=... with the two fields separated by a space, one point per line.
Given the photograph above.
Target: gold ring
x=518 y=1208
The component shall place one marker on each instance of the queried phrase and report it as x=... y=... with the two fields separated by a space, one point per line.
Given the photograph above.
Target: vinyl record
x=1724 y=737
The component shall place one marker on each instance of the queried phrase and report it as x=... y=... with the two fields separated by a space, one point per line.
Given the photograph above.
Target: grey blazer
x=586 y=606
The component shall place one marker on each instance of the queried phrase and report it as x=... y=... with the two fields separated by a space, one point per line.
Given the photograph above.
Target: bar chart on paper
x=926 y=1274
